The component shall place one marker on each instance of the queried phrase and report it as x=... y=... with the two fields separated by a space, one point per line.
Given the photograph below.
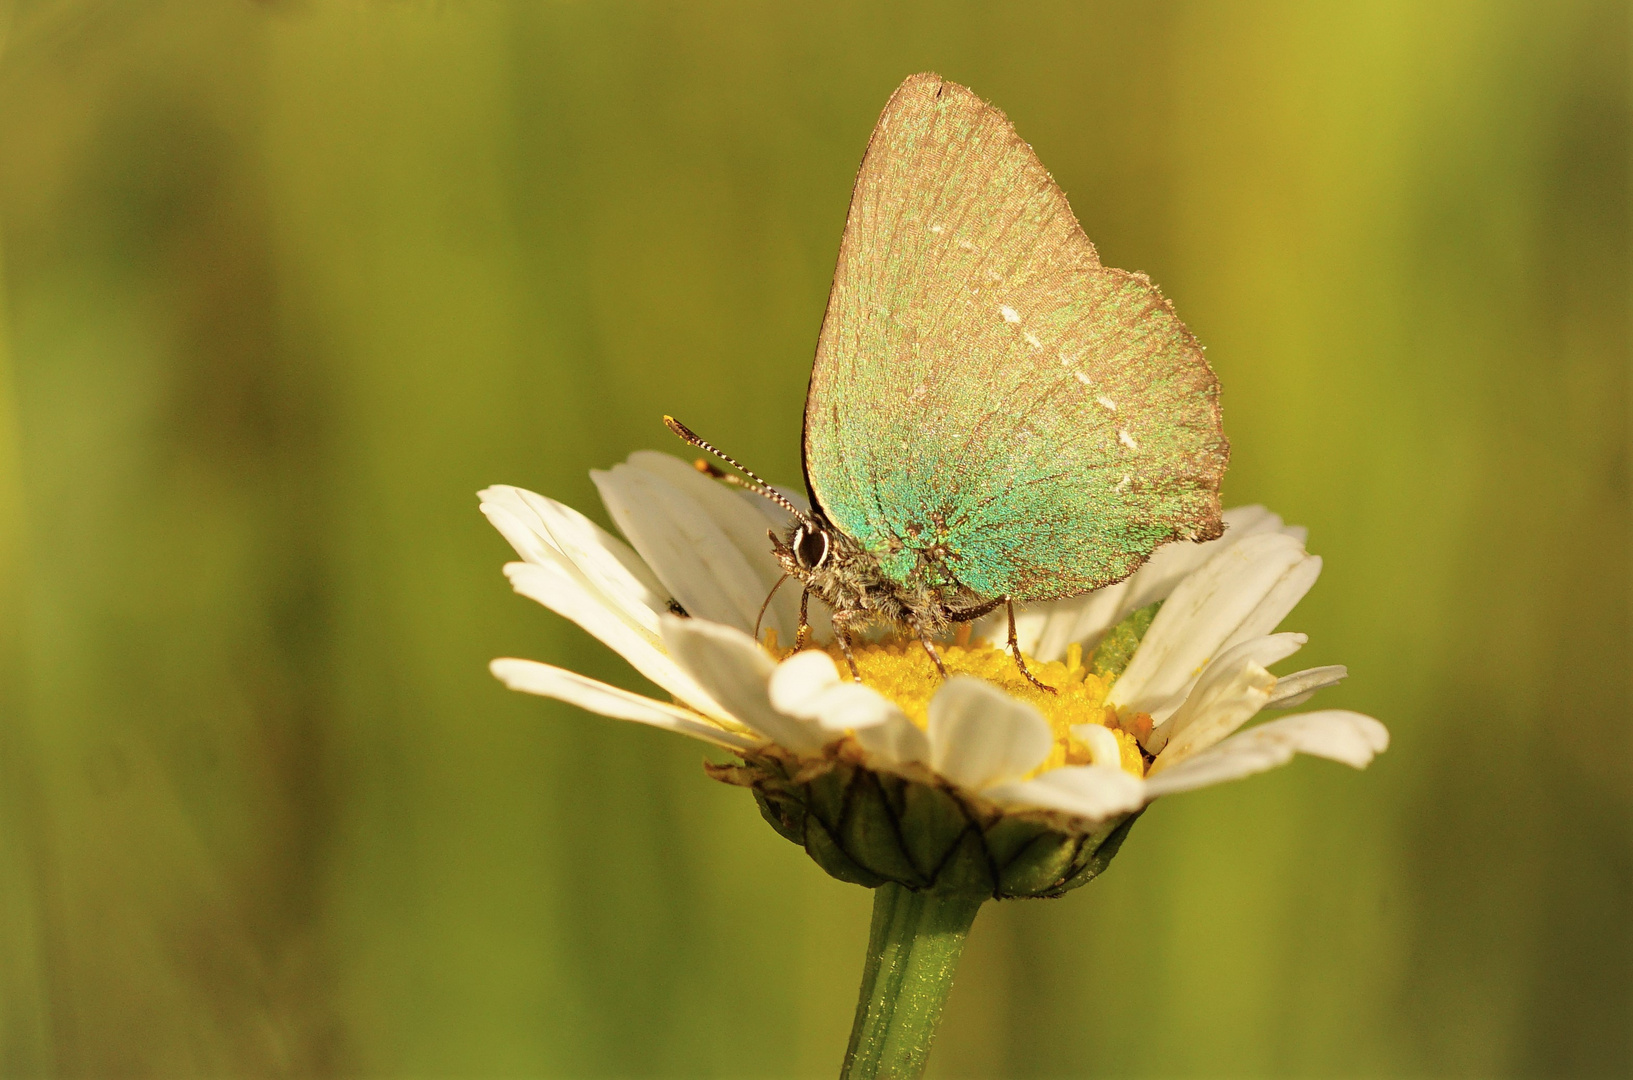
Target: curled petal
x=1300 y=686
x=896 y=741
x=980 y=736
x=850 y=706
x=1238 y=595
x=807 y=685
x=1336 y=734
x=800 y=678
x=1232 y=702
x=1233 y=688
x=531 y=677
x=1093 y=792
x=737 y=673
x=1104 y=749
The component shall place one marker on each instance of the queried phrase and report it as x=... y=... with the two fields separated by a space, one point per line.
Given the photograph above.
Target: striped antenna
x=759 y=487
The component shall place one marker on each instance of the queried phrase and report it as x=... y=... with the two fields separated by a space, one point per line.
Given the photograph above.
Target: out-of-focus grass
x=286 y=283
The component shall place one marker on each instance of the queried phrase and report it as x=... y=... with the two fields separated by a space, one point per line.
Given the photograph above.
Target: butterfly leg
x=1015 y=650
x=935 y=657
x=842 y=634
x=804 y=633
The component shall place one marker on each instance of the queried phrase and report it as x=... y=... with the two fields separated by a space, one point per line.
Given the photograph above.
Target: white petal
x=531 y=677
x=1045 y=630
x=897 y=741
x=745 y=518
x=1230 y=692
x=502 y=505
x=1300 y=686
x=557 y=588
x=1104 y=749
x=737 y=673
x=1172 y=563
x=1241 y=594
x=585 y=543
x=1095 y=792
x=688 y=550
x=1347 y=737
x=1279 y=601
x=546 y=532
x=981 y=736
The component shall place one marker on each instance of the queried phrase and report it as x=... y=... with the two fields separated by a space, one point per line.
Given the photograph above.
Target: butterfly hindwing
x=990 y=409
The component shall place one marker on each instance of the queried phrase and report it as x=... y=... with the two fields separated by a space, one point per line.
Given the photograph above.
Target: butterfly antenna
x=759 y=487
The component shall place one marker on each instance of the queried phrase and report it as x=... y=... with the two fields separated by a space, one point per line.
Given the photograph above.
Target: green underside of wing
x=990 y=407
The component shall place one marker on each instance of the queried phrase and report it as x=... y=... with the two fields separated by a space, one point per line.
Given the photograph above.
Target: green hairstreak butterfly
x=993 y=416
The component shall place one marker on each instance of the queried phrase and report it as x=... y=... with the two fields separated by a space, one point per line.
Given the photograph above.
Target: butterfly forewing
x=991 y=409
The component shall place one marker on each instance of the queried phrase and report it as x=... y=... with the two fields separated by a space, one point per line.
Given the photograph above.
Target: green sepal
x=1097 y=857
x=869 y=827
x=784 y=815
x=932 y=823
x=820 y=845
x=1041 y=866
x=825 y=796
x=870 y=834
x=1116 y=649
x=968 y=869
x=1007 y=837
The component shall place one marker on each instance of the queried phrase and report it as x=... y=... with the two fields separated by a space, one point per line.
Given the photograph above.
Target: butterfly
x=993 y=416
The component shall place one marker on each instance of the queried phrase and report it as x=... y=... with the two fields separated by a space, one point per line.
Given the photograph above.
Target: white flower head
x=1156 y=677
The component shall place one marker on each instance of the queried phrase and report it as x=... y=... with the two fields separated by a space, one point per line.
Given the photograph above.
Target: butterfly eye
x=810 y=547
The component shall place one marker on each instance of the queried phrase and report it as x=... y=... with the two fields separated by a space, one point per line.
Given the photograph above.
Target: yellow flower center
x=902 y=671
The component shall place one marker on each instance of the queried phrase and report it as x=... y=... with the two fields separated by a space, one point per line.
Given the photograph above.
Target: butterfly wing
x=990 y=408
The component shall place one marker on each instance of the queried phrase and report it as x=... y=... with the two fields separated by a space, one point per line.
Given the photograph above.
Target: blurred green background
x=285 y=283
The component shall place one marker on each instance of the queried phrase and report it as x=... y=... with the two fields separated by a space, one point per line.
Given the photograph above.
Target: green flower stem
x=913 y=950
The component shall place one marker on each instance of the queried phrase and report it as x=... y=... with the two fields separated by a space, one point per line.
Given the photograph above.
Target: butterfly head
x=811 y=543
x=836 y=569
x=823 y=558
x=809 y=550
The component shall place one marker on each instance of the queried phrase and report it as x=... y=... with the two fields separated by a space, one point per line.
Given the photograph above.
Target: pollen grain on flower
x=902 y=671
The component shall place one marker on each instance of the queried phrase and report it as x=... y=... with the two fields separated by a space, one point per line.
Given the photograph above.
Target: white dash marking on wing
x=1010 y=314
x=1107 y=402
x=1032 y=340
x=1080 y=377
x=965 y=245
x=1126 y=439
x=937 y=229
x=1122 y=485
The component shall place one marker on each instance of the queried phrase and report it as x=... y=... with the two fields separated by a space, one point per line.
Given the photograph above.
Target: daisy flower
x=978 y=783
x=938 y=793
